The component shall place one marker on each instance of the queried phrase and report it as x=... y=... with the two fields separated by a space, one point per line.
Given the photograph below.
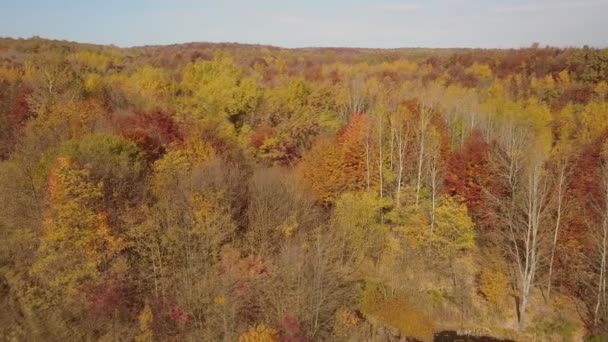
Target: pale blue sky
x=288 y=23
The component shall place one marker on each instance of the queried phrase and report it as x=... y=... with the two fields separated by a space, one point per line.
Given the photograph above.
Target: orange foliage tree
x=333 y=167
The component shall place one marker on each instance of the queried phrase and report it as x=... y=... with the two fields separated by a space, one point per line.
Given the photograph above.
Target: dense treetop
x=253 y=193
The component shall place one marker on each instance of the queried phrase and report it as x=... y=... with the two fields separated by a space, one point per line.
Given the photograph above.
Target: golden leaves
x=398 y=312
x=260 y=333
x=345 y=322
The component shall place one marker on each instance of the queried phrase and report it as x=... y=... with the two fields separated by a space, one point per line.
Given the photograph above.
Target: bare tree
x=357 y=99
x=536 y=208
x=380 y=154
x=524 y=205
x=309 y=284
x=602 y=247
x=424 y=119
x=435 y=179
x=561 y=185
x=602 y=241
x=368 y=152
x=403 y=137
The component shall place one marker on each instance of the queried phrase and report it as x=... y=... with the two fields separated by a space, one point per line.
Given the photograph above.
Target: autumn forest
x=250 y=193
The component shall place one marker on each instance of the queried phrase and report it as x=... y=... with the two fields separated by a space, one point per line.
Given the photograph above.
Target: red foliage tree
x=14 y=113
x=151 y=131
x=291 y=329
x=468 y=174
x=110 y=297
x=577 y=237
x=19 y=111
x=259 y=135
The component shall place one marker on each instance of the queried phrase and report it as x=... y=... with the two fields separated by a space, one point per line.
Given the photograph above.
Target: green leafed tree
x=217 y=88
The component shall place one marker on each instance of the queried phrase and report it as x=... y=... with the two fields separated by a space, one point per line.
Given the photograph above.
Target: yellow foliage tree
x=454 y=229
x=76 y=238
x=356 y=217
x=397 y=312
x=480 y=71
x=453 y=232
x=179 y=159
x=346 y=322
x=146 y=334
x=260 y=333
x=150 y=86
x=493 y=283
x=493 y=286
x=92 y=60
x=218 y=87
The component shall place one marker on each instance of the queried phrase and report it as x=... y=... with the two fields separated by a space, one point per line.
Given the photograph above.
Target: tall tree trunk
x=420 y=159
x=601 y=283
x=425 y=117
x=380 y=158
x=434 y=186
x=367 y=161
x=401 y=151
x=536 y=198
x=560 y=197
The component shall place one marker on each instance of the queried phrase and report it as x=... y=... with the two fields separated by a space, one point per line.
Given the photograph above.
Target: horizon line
x=529 y=46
